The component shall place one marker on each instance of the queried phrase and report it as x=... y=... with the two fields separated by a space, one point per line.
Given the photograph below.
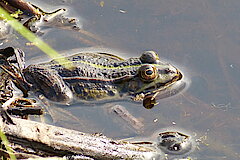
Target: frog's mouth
x=170 y=88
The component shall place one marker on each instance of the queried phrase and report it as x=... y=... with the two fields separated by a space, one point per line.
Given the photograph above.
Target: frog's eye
x=149 y=57
x=147 y=72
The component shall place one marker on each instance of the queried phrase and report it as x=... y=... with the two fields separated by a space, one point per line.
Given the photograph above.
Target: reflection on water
x=201 y=36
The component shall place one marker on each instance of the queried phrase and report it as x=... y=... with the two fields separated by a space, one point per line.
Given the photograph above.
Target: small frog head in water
x=175 y=143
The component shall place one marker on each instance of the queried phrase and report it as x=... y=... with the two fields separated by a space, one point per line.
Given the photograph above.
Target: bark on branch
x=46 y=140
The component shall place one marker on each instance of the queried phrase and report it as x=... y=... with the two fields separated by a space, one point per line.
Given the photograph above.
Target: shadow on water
x=200 y=36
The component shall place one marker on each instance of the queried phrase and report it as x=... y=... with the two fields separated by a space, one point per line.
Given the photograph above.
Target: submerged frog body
x=102 y=76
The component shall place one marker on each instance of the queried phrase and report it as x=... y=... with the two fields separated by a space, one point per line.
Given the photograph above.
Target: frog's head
x=155 y=79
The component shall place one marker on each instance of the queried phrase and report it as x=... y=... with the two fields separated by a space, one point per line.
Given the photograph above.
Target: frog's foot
x=49 y=83
x=22 y=107
x=138 y=97
x=148 y=101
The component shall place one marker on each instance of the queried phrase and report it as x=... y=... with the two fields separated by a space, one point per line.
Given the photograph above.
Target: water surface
x=201 y=37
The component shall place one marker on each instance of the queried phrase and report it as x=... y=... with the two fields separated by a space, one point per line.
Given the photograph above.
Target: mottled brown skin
x=101 y=76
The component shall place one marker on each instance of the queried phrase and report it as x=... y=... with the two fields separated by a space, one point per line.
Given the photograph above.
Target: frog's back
x=94 y=58
x=102 y=66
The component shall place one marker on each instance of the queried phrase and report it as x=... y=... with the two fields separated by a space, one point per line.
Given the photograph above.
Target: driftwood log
x=34 y=139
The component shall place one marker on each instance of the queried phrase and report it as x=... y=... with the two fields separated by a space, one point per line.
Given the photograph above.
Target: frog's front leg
x=49 y=83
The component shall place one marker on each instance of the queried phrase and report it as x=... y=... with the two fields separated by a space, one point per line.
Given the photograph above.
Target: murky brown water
x=202 y=37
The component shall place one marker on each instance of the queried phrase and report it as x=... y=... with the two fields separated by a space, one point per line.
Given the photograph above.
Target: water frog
x=103 y=76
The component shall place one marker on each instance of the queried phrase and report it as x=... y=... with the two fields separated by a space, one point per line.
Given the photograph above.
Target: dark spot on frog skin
x=111 y=93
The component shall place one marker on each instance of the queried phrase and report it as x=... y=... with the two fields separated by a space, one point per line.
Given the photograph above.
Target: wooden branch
x=46 y=140
x=13 y=5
